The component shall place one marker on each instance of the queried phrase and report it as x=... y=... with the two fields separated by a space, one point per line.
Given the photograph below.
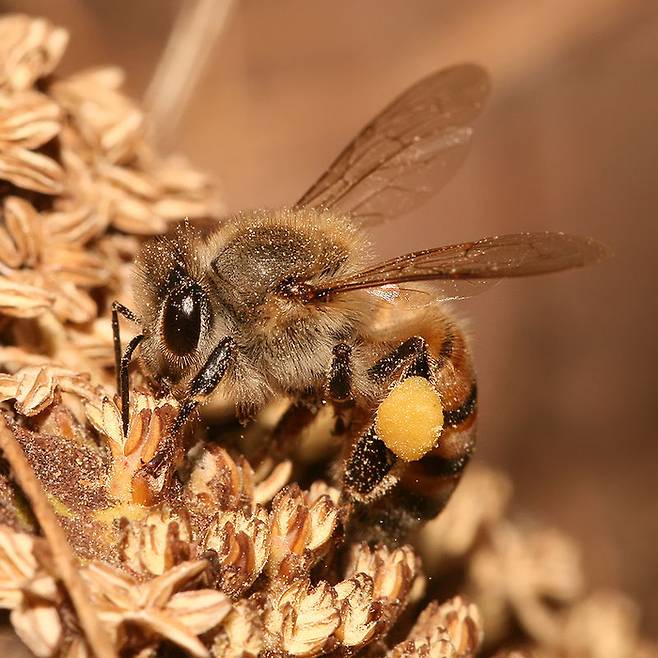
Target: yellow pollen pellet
x=410 y=419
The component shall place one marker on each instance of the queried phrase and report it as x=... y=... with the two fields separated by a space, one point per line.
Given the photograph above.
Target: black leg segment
x=122 y=360
x=207 y=380
x=410 y=356
x=339 y=386
x=368 y=464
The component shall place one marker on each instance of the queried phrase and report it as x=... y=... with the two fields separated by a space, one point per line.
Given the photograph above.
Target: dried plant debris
x=79 y=181
x=186 y=549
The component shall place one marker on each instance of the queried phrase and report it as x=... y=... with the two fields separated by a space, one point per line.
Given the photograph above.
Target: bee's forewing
x=463 y=270
x=408 y=152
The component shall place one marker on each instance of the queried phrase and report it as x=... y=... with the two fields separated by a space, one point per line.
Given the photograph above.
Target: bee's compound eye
x=181 y=320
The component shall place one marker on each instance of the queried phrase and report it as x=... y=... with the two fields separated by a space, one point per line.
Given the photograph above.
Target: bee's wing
x=408 y=152
x=463 y=270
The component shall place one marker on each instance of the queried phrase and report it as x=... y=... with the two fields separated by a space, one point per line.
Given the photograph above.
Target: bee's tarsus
x=122 y=359
x=184 y=414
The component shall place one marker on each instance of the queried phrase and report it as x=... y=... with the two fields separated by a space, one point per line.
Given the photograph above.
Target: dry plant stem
x=65 y=562
x=194 y=33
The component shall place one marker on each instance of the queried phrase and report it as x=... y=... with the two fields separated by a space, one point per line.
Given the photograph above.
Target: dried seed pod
x=362 y=619
x=604 y=624
x=240 y=543
x=301 y=619
x=30 y=170
x=30 y=49
x=478 y=503
x=217 y=482
x=270 y=485
x=22 y=300
x=156 y=606
x=136 y=475
x=392 y=571
x=20 y=234
x=108 y=122
x=157 y=542
x=451 y=630
x=518 y=574
x=28 y=119
x=241 y=633
x=300 y=529
x=29 y=593
x=33 y=388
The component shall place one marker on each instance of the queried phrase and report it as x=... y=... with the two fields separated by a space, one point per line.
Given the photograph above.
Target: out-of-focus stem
x=192 y=38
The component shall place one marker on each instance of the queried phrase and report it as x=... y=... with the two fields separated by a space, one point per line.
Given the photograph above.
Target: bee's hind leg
x=369 y=470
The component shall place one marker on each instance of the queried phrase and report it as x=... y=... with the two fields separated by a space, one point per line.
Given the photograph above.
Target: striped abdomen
x=429 y=482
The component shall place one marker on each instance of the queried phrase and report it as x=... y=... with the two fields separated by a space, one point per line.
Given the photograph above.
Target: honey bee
x=292 y=303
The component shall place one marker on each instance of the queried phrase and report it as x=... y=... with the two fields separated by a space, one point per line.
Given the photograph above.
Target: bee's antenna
x=122 y=360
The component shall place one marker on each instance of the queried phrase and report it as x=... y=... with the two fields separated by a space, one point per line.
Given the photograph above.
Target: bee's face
x=180 y=319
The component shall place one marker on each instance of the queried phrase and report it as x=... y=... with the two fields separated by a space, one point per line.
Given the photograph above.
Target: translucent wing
x=463 y=270
x=408 y=152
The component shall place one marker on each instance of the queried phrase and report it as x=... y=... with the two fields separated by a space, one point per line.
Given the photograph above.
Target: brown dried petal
x=30 y=170
x=28 y=119
x=22 y=300
x=30 y=48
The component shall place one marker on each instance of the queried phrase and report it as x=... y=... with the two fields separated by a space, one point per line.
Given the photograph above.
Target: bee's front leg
x=206 y=380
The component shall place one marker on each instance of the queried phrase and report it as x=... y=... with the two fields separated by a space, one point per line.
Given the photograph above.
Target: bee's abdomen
x=429 y=482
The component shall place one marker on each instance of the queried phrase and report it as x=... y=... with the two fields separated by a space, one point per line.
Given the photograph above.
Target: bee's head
x=179 y=321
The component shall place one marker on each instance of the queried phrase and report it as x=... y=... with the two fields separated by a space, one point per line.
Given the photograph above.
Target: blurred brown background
x=567 y=364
